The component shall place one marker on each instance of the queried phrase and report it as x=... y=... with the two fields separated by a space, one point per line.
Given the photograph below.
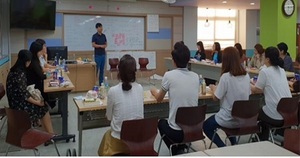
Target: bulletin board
x=122 y=33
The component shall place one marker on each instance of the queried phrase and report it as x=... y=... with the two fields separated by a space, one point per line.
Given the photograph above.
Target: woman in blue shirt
x=217 y=54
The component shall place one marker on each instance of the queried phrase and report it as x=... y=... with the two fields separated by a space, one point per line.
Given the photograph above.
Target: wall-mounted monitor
x=32 y=14
x=58 y=51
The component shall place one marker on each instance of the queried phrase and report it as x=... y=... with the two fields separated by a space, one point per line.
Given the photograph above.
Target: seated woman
x=125 y=101
x=35 y=74
x=43 y=57
x=297 y=63
x=238 y=46
x=217 y=54
x=200 y=54
x=234 y=85
x=258 y=58
x=273 y=83
x=287 y=60
x=19 y=98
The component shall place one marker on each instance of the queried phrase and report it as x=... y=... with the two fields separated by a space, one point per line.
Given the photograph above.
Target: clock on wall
x=288 y=7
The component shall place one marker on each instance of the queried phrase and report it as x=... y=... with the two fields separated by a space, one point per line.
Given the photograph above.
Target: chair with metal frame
x=21 y=134
x=246 y=113
x=288 y=109
x=139 y=135
x=190 y=120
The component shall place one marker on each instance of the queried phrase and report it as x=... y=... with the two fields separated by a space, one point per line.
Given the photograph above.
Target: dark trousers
x=171 y=135
x=265 y=122
x=209 y=127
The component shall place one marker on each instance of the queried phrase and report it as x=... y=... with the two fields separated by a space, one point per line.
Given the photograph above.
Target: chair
x=190 y=120
x=291 y=140
x=143 y=62
x=246 y=113
x=288 y=109
x=113 y=62
x=139 y=136
x=21 y=134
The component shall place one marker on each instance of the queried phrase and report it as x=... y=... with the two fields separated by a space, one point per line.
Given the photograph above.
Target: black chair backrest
x=288 y=108
x=245 y=112
x=190 y=120
x=139 y=135
x=18 y=122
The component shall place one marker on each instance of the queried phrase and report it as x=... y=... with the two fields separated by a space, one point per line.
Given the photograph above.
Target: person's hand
x=153 y=91
x=40 y=103
x=212 y=87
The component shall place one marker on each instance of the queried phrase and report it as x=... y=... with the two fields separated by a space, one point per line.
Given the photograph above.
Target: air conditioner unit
x=169 y=1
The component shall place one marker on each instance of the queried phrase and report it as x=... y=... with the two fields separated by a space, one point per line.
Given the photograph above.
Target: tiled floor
x=91 y=138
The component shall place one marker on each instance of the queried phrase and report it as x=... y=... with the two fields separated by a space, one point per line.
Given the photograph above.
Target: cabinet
x=83 y=76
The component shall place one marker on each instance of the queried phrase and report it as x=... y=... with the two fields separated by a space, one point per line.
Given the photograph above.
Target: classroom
x=168 y=54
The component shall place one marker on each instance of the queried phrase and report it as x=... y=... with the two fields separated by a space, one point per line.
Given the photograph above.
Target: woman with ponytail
x=273 y=83
x=125 y=101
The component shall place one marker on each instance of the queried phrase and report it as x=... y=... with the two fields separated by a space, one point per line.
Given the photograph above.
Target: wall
x=241 y=33
x=275 y=27
x=170 y=25
x=190 y=21
x=252 y=26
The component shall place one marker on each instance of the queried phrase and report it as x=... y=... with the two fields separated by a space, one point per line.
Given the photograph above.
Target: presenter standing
x=99 y=42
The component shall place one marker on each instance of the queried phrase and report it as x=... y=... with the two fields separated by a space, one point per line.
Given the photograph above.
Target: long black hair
x=273 y=54
x=127 y=70
x=35 y=48
x=23 y=57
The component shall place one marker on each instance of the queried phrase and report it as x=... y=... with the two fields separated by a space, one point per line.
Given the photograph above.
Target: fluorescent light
x=224 y=2
x=169 y=1
x=252 y=3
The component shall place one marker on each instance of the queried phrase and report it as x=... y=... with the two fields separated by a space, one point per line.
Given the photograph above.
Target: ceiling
x=231 y=4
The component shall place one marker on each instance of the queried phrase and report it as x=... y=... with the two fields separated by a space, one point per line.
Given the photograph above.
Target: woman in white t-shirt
x=273 y=83
x=125 y=101
x=234 y=85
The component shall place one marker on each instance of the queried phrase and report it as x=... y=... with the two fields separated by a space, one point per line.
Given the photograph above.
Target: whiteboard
x=151 y=55
x=122 y=33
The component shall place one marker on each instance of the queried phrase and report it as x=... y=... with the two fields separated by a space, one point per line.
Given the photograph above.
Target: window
x=216 y=25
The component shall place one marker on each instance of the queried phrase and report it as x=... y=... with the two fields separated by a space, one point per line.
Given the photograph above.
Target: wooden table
x=151 y=106
x=264 y=148
x=212 y=71
x=61 y=94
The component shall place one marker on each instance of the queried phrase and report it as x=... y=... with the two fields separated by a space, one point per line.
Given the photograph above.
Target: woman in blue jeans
x=234 y=85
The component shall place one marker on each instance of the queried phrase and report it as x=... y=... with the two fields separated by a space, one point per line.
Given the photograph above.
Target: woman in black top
x=19 y=98
x=200 y=54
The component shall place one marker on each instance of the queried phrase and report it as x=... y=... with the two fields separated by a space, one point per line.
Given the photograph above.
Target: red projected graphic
x=119 y=39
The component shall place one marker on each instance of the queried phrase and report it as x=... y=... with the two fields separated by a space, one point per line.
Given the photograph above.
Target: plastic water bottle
x=102 y=91
x=55 y=61
x=203 y=87
x=64 y=64
x=106 y=85
x=200 y=83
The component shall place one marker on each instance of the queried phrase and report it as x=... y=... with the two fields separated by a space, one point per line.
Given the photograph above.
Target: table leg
x=80 y=133
x=64 y=115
